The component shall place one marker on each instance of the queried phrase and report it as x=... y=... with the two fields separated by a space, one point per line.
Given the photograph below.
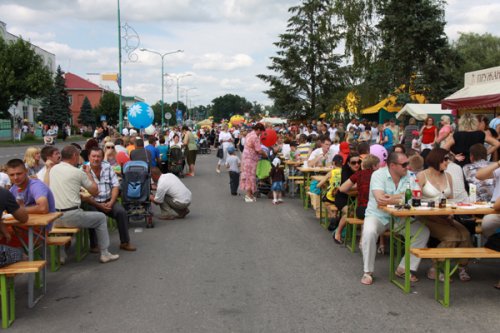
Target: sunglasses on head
x=355 y=162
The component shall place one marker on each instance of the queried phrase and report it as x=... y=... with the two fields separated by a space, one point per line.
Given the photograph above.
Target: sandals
x=463 y=275
x=337 y=241
x=250 y=199
x=381 y=250
x=401 y=274
x=367 y=279
x=431 y=275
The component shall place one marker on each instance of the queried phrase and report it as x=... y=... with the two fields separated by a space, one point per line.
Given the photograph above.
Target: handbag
x=220 y=153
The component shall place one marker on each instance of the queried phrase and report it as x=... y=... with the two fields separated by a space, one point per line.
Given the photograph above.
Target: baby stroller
x=203 y=145
x=263 y=177
x=136 y=188
x=176 y=161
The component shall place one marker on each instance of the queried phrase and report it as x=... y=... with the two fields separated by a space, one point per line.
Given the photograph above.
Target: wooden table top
x=289 y=162
x=428 y=211
x=315 y=169
x=36 y=220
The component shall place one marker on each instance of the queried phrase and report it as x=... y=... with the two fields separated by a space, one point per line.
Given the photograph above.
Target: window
x=70 y=99
x=25 y=112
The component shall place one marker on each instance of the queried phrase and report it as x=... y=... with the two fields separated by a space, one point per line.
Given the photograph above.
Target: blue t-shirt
x=154 y=154
x=390 y=139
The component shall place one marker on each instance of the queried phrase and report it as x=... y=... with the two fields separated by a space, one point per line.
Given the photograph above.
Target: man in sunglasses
x=387 y=187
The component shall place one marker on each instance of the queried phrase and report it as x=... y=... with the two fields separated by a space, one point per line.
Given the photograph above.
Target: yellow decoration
x=236 y=120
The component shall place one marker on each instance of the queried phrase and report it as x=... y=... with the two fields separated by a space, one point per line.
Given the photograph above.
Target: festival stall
x=421 y=111
x=480 y=94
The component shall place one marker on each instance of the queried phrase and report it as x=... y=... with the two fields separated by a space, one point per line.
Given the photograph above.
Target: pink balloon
x=269 y=137
x=122 y=158
x=380 y=152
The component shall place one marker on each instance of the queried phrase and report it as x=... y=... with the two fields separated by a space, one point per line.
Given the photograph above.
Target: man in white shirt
x=172 y=195
x=65 y=183
x=352 y=124
x=321 y=156
x=125 y=131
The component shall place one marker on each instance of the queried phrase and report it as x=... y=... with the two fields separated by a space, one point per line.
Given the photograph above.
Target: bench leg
x=442 y=289
x=55 y=260
x=8 y=300
x=82 y=244
x=111 y=224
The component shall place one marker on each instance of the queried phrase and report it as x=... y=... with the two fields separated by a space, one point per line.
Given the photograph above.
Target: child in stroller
x=135 y=188
x=176 y=161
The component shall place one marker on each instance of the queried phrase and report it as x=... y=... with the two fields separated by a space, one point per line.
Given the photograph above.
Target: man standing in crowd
x=106 y=200
x=387 y=187
x=172 y=195
x=65 y=182
x=51 y=156
x=140 y=153
x=387 y=137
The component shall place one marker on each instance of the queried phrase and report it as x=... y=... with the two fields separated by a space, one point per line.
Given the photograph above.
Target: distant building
x=28 y=109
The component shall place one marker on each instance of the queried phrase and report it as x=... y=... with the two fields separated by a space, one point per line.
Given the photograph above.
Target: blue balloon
x=140 y=115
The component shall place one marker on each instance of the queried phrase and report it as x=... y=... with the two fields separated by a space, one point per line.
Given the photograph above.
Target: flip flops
x=367 y=279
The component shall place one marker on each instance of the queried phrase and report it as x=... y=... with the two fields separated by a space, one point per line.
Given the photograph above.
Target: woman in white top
x=226 y=140
x=435 y=182
x=176 y=142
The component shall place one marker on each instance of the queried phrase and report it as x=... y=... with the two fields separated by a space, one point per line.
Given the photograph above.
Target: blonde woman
x=33 y=161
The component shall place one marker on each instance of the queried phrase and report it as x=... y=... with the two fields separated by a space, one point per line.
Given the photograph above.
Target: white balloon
x=150 y=130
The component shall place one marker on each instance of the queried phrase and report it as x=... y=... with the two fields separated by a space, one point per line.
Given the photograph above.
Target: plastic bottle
x=20 y=197
x=442 y=200
x=416 y=191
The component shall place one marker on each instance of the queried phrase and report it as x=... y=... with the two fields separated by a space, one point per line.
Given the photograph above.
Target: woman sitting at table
x=435 y=182
x=350 y=168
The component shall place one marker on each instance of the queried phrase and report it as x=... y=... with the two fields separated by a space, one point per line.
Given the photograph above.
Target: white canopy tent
x=274 y=121
x=421 y=111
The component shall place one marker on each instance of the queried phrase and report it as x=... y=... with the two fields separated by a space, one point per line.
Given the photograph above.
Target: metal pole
x=162 y=112
x=120 y=68
x=177 y=103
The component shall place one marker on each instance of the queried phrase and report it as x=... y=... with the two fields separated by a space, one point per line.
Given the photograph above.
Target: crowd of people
x=84 y=184
x=444 y=160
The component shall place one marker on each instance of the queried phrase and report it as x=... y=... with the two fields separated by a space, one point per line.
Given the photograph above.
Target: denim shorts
x=277 y=186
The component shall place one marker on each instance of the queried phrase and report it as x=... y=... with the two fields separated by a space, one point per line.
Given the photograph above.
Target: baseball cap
x=230 y=150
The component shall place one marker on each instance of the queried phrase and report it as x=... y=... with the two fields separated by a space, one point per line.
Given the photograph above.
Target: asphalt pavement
x=232 y=266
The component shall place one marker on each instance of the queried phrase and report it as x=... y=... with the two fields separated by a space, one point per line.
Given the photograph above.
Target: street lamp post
x=186 y=90
x=162 y=55
x=178 y=77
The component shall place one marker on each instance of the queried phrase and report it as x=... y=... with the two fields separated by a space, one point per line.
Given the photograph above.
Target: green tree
x=229 y=105
x=109 y=106
x=475 y=52
x=86 y=117
x=307 y=71
x=55 y=106
x=22 y=75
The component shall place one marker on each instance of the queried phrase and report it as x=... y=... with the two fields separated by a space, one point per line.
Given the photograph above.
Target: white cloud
x=218 y=61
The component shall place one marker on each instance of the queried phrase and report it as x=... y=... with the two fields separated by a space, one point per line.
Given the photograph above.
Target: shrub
x=29 y=137
x=88 y=134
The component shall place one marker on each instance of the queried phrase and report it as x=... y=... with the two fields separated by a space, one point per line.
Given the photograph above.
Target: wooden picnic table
x=37 y=235
x=407 y=239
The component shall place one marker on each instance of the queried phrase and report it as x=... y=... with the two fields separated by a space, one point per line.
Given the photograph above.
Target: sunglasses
x=405 y=164
x=355 y=162
x=110 y=147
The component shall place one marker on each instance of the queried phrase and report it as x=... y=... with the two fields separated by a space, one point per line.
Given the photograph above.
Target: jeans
x=120 y=215
x=234 y=182
x=82 y=219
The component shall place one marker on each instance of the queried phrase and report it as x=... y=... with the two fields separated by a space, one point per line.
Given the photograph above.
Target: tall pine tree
x=307 y=70
x=55 y=107
x=87 y=117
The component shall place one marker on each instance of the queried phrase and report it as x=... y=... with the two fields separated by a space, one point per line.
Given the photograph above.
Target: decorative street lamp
x=178 y=77
x=162 y=55
x=186 y=91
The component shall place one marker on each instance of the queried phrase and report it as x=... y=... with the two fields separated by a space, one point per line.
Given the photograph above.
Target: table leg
x=391 y=251
x=407 y=241
x=31 y=256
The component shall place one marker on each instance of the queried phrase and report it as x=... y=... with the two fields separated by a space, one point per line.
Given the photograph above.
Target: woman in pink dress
x=249 y=159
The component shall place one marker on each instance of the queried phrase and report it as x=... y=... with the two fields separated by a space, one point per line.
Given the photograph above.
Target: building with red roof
x=78 y=88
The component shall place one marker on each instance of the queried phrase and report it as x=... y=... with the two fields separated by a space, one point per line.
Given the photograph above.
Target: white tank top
x=430 y=192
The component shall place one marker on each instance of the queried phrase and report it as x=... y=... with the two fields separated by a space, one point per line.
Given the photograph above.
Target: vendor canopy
x=421 y=111
x=481 y=90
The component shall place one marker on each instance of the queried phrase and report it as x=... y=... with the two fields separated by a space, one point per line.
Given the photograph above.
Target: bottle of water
x=20 y=197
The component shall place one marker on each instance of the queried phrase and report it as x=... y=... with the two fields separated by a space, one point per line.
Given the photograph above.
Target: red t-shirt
x=428 y=134
x=362 y=178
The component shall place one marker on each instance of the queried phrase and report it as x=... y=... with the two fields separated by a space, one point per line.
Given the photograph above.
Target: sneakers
x=280 y=201
x=275 y=202
x=105 y=258
x=249 y=199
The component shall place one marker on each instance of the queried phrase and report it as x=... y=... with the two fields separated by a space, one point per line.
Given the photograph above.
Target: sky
x=226 y=43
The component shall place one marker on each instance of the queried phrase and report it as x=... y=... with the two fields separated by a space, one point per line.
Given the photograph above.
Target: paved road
x=232 y=266
x=17 y=151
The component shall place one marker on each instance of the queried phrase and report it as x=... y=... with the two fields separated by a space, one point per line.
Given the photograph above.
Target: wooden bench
x=7 y=295
x=443 y=257
x=351 y=232
x=297 y=180
x=82 y=245
x=54 y=243
x=324 y=211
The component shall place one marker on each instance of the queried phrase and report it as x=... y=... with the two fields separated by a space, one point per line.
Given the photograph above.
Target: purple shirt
x=36 y=189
